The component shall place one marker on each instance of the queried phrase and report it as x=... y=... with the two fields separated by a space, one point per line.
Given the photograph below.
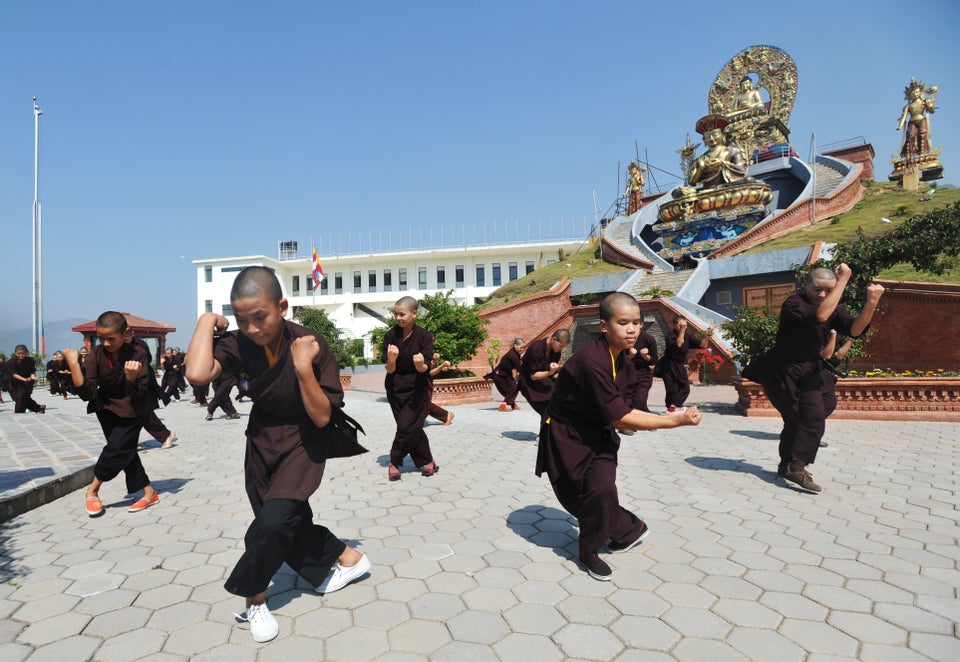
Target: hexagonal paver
x=382 y=614
x=645 y=632
x=482 y=627
x=519 y=647
x=588 y=642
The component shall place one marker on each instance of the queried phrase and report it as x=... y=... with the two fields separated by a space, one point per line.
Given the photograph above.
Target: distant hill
x=56 y=334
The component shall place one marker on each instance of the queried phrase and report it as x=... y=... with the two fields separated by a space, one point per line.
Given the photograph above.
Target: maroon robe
x=537 y=358
x=676 y=381
x=284 y=463
x=285 y=453
x=644 y=369
x=578 y=444
x=503 y=378
x=409 y=393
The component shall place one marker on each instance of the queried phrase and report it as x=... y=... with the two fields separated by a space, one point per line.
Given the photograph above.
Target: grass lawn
x=880 y=200
x=576 y=265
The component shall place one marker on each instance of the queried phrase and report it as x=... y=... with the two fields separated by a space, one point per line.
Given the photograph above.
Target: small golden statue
x=749 y=96
x=634 y=190
x=917 y=161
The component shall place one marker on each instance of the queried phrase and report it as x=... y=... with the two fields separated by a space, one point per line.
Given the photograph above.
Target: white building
x=359 y=291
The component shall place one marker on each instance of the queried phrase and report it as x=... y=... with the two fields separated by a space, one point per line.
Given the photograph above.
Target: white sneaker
x=340 y=576
x=263 y=626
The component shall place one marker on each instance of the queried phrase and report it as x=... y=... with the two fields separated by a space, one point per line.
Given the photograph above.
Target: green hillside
x=880 y=200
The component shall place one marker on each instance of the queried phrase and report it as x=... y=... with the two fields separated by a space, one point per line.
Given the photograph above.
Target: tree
x=316 y=319
x=458 y=330
x=752 y=333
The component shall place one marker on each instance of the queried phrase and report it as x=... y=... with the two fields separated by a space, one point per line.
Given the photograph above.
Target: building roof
x=140 y=325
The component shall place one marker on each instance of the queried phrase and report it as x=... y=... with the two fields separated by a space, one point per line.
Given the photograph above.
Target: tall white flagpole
x=37 y=235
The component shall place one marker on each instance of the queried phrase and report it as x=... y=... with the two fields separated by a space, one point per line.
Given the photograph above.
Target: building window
x=387 y=281
x=402 y=278
x=512 y=270
x=208 y=274
x=530 y=266
x=325 y=286
x=308 y=279
x=357 y=282
x=481 y=276
x=227 y=309
x=458 y=275
x=441 y=277
x=422 y=278
x=497 y=281
x=372 y=280
x=296 y=286
x=208 y=306
x=338 y=283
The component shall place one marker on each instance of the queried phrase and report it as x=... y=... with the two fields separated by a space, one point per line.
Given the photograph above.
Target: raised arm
x=315 y=401
x=874 y=292
x=202 y=368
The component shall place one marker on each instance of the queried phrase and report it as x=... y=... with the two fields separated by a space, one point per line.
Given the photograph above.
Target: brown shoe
x=796 y=473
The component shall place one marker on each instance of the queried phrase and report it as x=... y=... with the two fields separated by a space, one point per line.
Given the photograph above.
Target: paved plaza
x=479 y=561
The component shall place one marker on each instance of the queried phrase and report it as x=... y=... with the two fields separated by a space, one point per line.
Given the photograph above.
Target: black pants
x=23 y=399
x=155 y=427
x=410 y=438
x=120 y=452
x=642 y=390
x=797 y=391
x=597 y=506
x=221 y=398
x=282 y=531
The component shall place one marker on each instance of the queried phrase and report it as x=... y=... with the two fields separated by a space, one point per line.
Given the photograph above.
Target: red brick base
x=461 y=391
x=924 y=399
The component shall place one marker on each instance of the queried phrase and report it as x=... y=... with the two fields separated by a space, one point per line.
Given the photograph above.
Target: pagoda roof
x=138 y=324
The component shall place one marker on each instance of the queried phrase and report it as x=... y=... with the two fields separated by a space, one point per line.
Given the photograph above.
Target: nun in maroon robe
x=409 y=393
x=503 y=378
x=285 y=460
x=542 y=357
x=578 y=446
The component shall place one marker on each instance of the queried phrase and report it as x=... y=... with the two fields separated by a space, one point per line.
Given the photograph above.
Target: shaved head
x=821 y=273
x=409 y=303
x=561 y=336
x=613 y=301
x=112 y=320
x=255 y=282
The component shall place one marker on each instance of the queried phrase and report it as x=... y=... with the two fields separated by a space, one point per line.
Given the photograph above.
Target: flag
x=317 y=270
x=43 y=341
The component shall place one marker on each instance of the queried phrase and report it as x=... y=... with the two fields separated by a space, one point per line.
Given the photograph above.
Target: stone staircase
x=828 y=179
x=666 y=280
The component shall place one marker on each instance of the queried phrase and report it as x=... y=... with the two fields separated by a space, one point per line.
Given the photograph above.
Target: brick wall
x=527 y=317
x=862 y=154
x=916 y=328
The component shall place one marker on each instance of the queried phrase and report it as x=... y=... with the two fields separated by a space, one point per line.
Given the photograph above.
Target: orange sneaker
x=430 y=469
x=94 y=506
x=144 y=503
x=504 y=407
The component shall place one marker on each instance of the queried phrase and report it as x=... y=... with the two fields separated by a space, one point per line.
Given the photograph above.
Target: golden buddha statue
x=720 y=164
x=748 y=98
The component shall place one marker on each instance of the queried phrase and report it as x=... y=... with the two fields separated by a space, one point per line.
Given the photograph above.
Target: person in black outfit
x=792 y=374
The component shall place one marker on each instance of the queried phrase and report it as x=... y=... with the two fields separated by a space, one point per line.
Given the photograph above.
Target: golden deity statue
x=634 y=190
x=915 y=118
x=720 y=164
x=918 y=161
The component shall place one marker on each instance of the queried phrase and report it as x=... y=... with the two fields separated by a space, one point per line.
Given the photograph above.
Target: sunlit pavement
x=479 y=561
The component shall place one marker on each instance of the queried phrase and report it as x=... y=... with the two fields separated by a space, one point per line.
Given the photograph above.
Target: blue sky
x=180 y=130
